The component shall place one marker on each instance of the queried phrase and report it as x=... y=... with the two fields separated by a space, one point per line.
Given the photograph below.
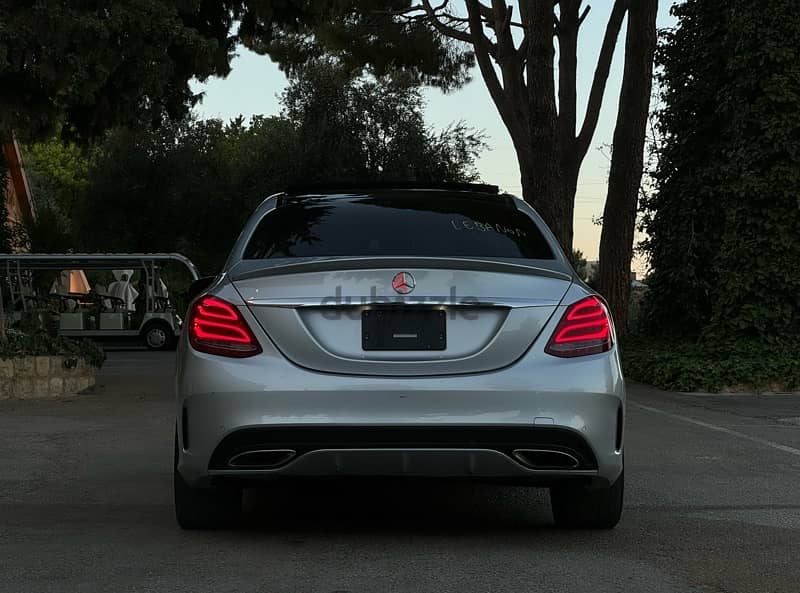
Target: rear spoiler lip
x=243 y=270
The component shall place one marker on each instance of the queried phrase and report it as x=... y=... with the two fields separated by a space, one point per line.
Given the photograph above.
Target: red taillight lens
x=584 y=329
x=216 y=327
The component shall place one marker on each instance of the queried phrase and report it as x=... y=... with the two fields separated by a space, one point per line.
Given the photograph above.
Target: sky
x=255 y=83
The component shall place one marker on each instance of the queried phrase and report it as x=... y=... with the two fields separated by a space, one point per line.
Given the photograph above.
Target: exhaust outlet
x=262 y=459
x=545 y=459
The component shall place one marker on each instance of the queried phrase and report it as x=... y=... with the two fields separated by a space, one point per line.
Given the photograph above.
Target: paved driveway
x=713 y=504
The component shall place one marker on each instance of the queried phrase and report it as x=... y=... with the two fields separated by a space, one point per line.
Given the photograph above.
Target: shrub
x=708 y=366
x=42 y=344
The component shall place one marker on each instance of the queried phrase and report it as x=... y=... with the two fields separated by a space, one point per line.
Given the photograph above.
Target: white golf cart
x=134 y=306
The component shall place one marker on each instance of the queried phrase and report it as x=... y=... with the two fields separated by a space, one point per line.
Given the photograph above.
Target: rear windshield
x=418 y=224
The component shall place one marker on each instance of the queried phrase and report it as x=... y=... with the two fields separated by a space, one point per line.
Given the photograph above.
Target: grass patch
x=42 y=344
x=684 y=366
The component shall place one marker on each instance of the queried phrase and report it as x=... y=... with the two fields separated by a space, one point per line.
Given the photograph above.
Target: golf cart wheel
x=158 y=336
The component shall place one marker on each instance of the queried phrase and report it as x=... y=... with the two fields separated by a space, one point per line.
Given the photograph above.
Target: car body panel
x=312 y=376
x=314 y=318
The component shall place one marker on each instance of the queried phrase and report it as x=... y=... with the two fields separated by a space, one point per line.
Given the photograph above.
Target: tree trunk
x=543 y=188
x=539 y=159
x=625 y=176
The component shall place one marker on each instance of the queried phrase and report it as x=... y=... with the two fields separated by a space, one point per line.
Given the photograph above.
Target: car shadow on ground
x=395 y=506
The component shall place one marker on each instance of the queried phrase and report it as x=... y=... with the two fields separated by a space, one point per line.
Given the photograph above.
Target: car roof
x=338 y=187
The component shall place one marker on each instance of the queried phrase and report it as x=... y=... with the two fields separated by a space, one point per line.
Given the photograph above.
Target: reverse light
x=584 y=329
x=217 y=327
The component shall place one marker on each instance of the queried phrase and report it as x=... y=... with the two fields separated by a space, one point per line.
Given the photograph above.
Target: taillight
x=584 y=329
x=217 y=327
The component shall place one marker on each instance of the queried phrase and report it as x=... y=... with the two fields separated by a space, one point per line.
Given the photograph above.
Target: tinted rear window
x=403 y=224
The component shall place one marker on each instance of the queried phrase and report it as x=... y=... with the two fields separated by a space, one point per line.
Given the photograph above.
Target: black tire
x=578 y=507
x=159 y=336
x=205 y=508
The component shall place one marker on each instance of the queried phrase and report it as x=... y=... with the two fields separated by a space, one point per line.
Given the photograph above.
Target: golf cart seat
x=113 y=313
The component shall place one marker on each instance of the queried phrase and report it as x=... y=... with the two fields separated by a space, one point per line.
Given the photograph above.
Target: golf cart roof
x=94 y=261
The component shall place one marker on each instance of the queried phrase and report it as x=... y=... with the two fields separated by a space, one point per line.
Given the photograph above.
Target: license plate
x=403 y=328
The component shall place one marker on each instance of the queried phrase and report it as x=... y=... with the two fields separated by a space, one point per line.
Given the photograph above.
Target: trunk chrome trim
x=507 y=302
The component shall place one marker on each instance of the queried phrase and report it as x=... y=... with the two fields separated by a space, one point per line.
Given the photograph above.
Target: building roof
x=19 y=195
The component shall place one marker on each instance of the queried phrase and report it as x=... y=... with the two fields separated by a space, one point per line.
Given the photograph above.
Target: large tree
x=534 y=91
x=724 y=219
x=516 y=57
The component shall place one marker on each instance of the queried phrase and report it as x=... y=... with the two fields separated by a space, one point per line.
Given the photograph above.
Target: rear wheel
x=578 y=507
x=205 y=508
x=159 y=336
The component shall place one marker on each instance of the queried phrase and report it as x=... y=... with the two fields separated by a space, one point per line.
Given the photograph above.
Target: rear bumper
x=418 y=451
x=458 y=426
x=478 y=464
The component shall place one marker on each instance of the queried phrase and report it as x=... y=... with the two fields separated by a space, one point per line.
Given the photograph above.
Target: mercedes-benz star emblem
x=403 y=283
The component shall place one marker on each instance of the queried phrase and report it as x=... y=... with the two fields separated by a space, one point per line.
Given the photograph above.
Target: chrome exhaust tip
x=262 y=459
x=545 y=459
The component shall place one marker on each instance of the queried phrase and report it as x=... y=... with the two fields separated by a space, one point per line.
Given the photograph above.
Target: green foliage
x=188 y=186
x=710 y=366
x=42 y=344
x=58 y=168
x=723 y=221
x=363 y=128
x=88 y=66
x=58 y=173
x=85 y=67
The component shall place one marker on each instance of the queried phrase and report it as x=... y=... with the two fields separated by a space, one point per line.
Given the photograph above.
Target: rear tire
x=579 y=507
x=205 y=508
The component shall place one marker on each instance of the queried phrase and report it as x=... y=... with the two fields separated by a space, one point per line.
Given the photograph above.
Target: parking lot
x=85 y=505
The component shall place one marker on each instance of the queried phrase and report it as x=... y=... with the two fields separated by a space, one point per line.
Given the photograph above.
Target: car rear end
x=419 y=333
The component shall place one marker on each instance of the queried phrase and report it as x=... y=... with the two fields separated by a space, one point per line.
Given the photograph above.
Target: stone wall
x=30 y=377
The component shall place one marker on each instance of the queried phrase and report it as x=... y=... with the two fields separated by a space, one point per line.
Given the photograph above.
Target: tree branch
x=486 y=17
x=523 y=50
x=508 y=58
x=567 y=77
x=583 y=16
x=402 y=11
x=483 y=52
x=485 y=11
x=444 y=29
x=601 y=76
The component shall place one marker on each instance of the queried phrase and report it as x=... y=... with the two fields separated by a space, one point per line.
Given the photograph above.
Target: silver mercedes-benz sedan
x=399 y=331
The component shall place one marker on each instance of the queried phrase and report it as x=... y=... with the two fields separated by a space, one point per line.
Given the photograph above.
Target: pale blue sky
x=255 y=83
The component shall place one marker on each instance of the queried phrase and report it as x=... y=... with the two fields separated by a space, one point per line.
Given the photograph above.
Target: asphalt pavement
x=712 y=504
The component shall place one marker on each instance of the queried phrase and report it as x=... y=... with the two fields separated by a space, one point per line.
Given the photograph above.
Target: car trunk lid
x=433 y=316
